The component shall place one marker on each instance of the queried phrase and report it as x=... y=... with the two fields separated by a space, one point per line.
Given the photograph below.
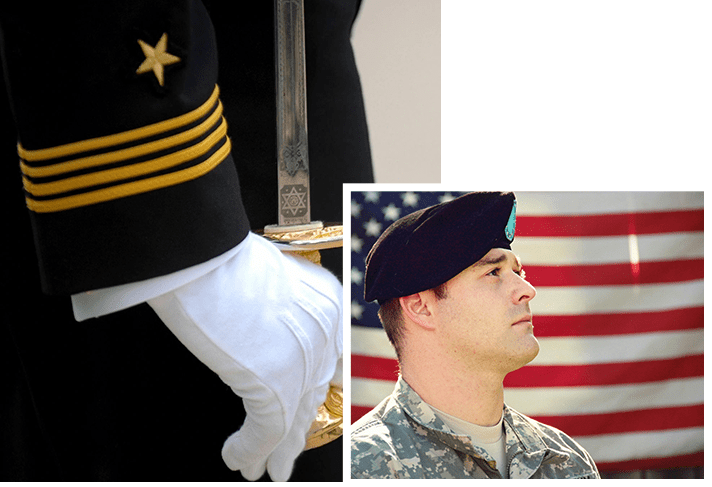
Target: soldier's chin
x=530 y=352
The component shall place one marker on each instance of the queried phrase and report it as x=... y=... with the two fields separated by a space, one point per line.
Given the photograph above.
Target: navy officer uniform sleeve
x=124 y=152
x=91 y=400
x=107 y=399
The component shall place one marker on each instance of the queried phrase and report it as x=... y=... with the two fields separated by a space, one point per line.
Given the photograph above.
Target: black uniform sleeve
x=125 y=159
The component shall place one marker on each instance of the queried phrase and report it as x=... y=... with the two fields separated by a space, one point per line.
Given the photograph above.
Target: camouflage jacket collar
x=526 y=449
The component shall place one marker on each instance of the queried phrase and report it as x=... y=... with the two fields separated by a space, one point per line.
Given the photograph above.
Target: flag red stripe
x=380 y=368
x=627 y=421
x=619 y=323
x=616 y=274
x=590 y=375
x=679 y=461
x=657 y=419
x=610 y=224
x=607 y=373
x=601 y=324
x=358 y=411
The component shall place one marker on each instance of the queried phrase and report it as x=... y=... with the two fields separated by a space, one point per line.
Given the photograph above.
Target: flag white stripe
x=371 y=341
x=556 y=401
x=591 y=203
x=608 y=250
x=646 y=444
x=369 y=392
x=618 y=348
x=577 y=300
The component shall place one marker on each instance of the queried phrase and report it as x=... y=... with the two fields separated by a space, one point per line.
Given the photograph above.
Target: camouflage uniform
x=402 y=438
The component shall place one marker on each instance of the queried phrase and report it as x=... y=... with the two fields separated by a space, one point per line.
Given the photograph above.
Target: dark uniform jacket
x=131 y=173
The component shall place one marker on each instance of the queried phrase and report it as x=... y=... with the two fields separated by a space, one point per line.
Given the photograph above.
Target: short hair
x=391 y=316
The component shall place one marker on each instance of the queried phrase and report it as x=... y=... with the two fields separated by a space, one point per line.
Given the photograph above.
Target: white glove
x=270 y=325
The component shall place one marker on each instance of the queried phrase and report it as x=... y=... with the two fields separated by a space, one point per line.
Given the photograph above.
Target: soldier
x=140 y=192
x=455 y=305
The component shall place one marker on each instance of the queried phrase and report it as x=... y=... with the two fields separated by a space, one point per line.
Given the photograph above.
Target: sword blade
x=292 y=146
x=295 y=227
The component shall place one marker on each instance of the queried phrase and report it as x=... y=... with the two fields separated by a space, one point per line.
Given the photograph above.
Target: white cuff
x=100 y=302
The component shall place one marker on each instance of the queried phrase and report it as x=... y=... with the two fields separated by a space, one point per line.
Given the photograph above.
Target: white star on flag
x=391 y=212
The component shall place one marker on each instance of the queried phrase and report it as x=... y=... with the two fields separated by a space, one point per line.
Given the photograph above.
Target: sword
x=292 y=142
x=294 y=225
x=295 y=231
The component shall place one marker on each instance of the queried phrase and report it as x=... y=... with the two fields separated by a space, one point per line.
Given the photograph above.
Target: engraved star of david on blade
x=293 y=201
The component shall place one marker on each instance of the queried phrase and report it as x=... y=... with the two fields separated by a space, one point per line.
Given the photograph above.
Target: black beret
x=431 y=246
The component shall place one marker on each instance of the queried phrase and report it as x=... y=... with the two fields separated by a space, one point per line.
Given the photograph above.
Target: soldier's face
x=485 y=320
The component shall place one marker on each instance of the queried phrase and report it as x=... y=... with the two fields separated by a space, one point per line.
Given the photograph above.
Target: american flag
x=618 y=314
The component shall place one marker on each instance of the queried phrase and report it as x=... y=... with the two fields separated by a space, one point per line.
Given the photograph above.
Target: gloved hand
x=270 y=325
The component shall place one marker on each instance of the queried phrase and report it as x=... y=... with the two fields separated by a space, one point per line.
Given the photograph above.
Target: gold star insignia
x=156 y=58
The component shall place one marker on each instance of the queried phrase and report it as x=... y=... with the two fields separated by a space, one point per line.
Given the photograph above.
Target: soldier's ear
x=417 y=308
